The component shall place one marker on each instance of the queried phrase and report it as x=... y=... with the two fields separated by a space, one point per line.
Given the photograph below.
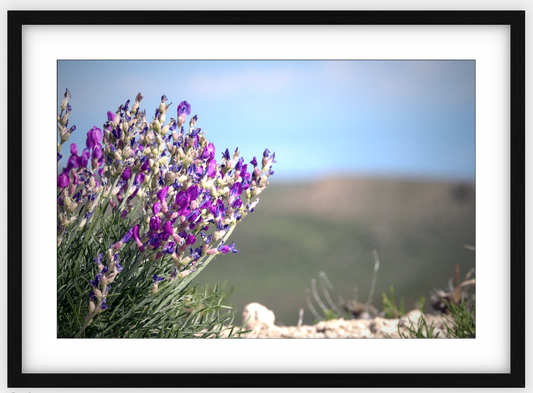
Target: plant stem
x=87 y=322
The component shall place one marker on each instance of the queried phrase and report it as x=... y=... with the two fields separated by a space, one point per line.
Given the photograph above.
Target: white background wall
x=235 y=5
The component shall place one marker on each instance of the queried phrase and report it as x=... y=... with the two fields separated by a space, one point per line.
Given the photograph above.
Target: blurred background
x=370 y=155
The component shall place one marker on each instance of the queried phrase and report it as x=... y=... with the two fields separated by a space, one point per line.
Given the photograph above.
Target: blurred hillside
x=418 y=228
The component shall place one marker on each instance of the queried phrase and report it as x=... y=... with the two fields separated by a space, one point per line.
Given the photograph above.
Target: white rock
x=261 y=316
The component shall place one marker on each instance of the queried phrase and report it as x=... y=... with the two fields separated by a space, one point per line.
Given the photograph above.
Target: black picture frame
x=514 y=19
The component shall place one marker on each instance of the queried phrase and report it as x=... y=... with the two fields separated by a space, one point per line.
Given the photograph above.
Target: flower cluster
x=166 y=182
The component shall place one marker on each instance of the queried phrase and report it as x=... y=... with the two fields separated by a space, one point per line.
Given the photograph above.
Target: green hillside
x=297 y=230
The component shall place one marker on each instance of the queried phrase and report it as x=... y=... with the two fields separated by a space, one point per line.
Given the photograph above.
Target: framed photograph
x=487 y=46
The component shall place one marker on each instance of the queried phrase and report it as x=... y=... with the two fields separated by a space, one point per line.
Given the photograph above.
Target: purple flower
x=220 y=209
x=243 y=170
x=74 y=149
x=226 y=154
x=206 y=204
x=97 y=152
x=222 y=227
x=127 y=236
x=98 y=259
x=254 y=162
x=184 y=211
x=103 y=306
x=63 y=180
x=192 y=193
x=155 y=240
x=169 y=248
x=238 y=166
x=94 y=136
x=184 y=107
x=197 y=253
x=266 y=153
x=110 y=116
x=167 y=228
x=232 y=248
x=138 y=179
x=145 y=166
x=224 y=249
x=207 y=239
x=211 y=170
x=126 y=174
x=158 y=279
x=96 y=280
x=155 y=223
x=84 y=159
x=181 y=199
x=162 y=194
x=236 y=190
x=173 y=125
x=191 y=239
x=237 y=203
x=73 y=162
x=136 y=233
x=156 y=208
x=209 y=152
x=193 y=216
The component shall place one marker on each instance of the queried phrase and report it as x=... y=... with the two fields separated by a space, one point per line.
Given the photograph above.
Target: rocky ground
x=262 y=324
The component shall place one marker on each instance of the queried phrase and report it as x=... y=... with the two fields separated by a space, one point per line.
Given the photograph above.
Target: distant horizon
x=370 y=176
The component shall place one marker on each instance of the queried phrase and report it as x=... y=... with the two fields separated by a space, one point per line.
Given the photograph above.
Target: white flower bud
x=67 y=201
x=157 y=125
x=185 y=261
x=124 y=126
x=170 y=176
x=97 y=293
x=65 y=136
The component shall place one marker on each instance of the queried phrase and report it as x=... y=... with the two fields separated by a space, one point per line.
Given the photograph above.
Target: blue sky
x=410 y=119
